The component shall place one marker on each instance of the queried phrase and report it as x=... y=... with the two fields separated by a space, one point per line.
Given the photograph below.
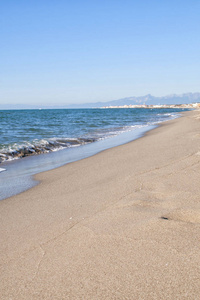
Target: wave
x=16 y=151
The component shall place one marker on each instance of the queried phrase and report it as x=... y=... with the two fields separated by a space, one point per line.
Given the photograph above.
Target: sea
x=32 y=141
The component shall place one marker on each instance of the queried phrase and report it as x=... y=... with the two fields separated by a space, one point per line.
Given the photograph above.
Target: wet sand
x=123 y=224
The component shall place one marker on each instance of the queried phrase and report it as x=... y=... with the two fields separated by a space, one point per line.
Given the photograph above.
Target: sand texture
x=123 y=224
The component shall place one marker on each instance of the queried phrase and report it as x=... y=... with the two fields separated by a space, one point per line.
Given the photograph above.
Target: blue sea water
x=29 y=132
x=32 y=141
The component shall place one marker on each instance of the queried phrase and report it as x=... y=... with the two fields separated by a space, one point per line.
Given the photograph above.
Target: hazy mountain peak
x=146 y=99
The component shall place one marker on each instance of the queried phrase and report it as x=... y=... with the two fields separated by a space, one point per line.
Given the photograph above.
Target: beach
x=122 y=224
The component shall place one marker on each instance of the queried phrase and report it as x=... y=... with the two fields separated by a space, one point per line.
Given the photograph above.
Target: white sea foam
x=16 y=151
x=26 y=148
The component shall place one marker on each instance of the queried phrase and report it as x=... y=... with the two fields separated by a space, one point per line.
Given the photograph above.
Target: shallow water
x=16 y=174
x=29 y=132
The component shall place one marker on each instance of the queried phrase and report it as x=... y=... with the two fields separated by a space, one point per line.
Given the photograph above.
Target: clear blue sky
x=60 y=52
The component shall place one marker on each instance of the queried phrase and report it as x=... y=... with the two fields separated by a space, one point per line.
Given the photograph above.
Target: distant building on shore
x=189 y=105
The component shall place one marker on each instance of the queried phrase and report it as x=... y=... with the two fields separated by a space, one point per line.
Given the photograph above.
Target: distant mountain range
x=147 y=99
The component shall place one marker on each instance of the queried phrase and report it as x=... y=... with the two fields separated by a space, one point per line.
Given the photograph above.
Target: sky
x=63 y=52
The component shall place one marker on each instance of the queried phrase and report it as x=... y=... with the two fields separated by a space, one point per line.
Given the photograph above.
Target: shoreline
x=64 y=139
x=27 y=168
x=20 y=172
x=121 y=224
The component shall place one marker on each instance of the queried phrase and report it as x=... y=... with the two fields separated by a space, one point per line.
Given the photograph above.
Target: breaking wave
x=16 y=151
x=32 y=132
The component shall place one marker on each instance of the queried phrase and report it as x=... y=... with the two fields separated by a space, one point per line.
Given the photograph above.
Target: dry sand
x=123 y=224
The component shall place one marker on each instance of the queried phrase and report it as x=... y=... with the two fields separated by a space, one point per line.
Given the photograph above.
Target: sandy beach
x=123 y=224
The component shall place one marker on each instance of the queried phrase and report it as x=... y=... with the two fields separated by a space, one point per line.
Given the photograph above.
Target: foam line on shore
x=19 y=173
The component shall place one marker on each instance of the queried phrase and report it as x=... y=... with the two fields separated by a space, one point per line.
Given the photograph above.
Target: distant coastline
x=135 y=101
x=190 y=105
